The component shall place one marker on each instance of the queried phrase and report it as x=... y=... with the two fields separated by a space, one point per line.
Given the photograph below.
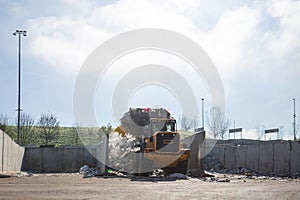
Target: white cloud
x=286 y=39
x=253 y=44
x=228 y=42
x=235 y=42
x=16 y=9
x=63 y=43
x=250 y=134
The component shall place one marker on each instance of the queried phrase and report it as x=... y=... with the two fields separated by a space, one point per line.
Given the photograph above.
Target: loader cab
x=163 y=125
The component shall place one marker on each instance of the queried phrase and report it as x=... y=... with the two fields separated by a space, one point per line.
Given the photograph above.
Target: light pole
x=202 y=112
x=294 y=119
x=19 y=33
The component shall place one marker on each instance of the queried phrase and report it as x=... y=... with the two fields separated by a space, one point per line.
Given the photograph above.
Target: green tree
x=27 y=135
x=48 y=127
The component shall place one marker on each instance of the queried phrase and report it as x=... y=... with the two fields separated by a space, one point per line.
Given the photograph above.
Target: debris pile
x=15 y=174
x=90 y=172
x=212 y=164
x=121 y=151
x=178 y=176
x=157 y=175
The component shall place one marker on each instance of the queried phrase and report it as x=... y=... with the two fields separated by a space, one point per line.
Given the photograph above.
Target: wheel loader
x=157 y=138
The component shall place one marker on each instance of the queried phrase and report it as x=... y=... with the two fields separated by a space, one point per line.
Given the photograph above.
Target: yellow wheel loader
x=158 y=139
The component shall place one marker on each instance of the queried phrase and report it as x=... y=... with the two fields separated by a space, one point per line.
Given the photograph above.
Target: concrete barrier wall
x=241 y=155
x=1 y=150
x=61 y=159
x=265 y=157
x=252 y=157
x=295 y=157
x=229 y=157
x=282 y=157
x=11 y=154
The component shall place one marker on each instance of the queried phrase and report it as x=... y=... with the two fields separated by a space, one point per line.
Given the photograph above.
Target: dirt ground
x=73 y=186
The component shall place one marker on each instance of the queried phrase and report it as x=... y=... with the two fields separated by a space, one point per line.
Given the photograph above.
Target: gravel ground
x=73 y=186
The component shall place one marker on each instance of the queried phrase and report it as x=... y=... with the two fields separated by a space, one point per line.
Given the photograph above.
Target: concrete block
x=209 y=146
x=9 y=154
x=1 y=150
x=252 y=155
x=295 y=157
x=4 y=152
x=266 y=158
x=33 y=159
x=72 y=159
x=197 y=151
x=100 y=157
x=6 y=160
x=25 y=161
x=219 y=153
x=89 y=158
x=19 y=161
x=282 y=157
x=22 y=152
x=241 y=156
x=50 y=159
x=60 y=159
x=229 y=158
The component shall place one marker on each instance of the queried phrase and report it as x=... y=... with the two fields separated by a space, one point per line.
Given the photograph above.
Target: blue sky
x=255 y=46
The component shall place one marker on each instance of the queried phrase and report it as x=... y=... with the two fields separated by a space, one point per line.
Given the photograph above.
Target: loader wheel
x=145 y=174
x=180 y=168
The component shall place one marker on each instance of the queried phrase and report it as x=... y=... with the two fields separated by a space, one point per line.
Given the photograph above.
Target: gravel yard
x=73 y=186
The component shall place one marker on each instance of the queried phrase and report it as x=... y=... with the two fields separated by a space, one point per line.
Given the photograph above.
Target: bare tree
x=290 y=132
x=187 y=123
x=104 y=131
x=260 y=131
x=27 y=129
x=48 y=126
x=281 y=133
x=69 y=136
x=217 y=122
x=3 y=122
x=91 y=134
x=75 y=139
x=4 y=126
x=94 y=135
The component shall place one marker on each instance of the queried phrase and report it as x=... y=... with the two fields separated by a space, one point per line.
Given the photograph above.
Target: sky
x=255 y=46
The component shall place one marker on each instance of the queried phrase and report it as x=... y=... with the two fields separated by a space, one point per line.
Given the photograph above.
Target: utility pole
x=294 y=119
x=19 y=33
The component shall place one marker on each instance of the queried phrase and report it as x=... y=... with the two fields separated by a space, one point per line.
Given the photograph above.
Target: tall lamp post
x=19 y=33
x=294 y=119
x=202 y=112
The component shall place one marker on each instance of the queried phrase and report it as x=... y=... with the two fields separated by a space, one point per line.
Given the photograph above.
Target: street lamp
x=202 y=112
x=20 y=33
x=294 y=119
